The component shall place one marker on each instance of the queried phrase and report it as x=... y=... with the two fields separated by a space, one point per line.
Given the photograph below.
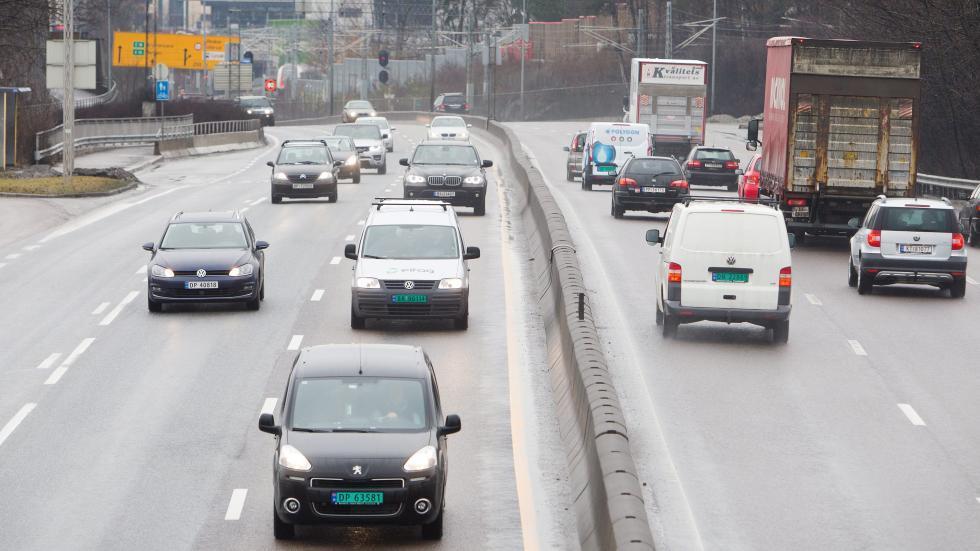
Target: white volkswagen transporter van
x=608 y=145
x=724 y=261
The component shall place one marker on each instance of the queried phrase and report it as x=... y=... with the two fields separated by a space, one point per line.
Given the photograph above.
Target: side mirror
x=792 y=240
x=270 y=164
x=350 y=251
x=565 y=148
x=487 y=164
x=338 y=164
x=753 y=131
x=385 y=136
x=854 y=223
x=452 y=426
x=472 y=253
x=267 y=423
x=403 y=162
x=751 y=146
x=653 y=237
x=261 y=245
x=626 y=103
x=740 y=172
x=148 y=246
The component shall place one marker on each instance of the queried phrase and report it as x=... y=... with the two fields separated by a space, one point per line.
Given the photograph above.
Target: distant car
x=448 y=128
x=712 y=166
x=651 y=184
x=608 y=145
x=748 y=182
x=453 y=102
x=357 y=108
x=970 y=215
x=206 y=257
x=573 y=164
x=361 y=439
x=259 y=107
x=724 y=261
x=304 y=169
x=343 y=149
x=449 y=171
x=369 y=143
x=915 y=241
x=387 y=131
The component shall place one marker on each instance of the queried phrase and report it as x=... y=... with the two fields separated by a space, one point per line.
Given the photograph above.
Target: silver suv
x=915 y=241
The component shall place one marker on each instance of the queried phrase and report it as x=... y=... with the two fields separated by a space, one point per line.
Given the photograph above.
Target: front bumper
x=371 y=159
x=440 y=304
x=461 y=196
x=319 y=189
x=349 y=171
x=764 y=318
x=230 y=289
x=916 y=271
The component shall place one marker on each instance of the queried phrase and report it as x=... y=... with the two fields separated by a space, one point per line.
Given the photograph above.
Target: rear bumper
x=649 y=203
x=888 y=271
x=712 y=179
x=686 y=314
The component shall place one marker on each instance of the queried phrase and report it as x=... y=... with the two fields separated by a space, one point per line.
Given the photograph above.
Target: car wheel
x=254 y=304
x=480 y=209
x=463 y=323
x=780 y=332
x=357 y=177
x=617 y=212
x=433 y=530
x=356 y=322
x=383 y=169
x=332 y=198
x=262 y=291
x=659 y=319
x=974 y=239
x=282 y=530
x=958 y=288
x=569 y=176
x=852 y=276
x=864 y=284
x=586 y=181
x=153 y=305
x=276 y=199
x=669 y=328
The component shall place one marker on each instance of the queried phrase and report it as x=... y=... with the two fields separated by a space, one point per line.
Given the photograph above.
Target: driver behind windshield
x=303 y=155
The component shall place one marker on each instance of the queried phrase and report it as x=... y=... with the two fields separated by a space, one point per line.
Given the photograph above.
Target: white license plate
x=712 y=165
x=654 y=190
x=444 y=194
x=200 y=285
x=302 y=186
x=801 y=212
x=904 y=248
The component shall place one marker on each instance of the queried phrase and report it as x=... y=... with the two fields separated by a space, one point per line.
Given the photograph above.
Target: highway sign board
x=163 y=90
x=177 y=51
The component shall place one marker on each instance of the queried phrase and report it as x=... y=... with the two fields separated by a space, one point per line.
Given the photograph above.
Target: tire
x=433 y=530
x=864 y=285
x=780 y=332
x=659 y=319
x=153 y=305
x=356 y=322
x=586 y=182
x=276 y=199
x=669 y=328
x=617 y=212
x=332 y=198
x=974 y=239
x=852 y=276
x=958 y=288
x=254 y=304
x=569 y=176
x=356 y=178
x=383 y=169
x=262 y=291
x=480 y=209
x=282 y=530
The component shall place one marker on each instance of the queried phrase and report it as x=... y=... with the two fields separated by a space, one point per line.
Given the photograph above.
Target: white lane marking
x=349 y=238
x=142 y=270
x=158 y=195
x=100 y=308
x=912 y=415
x=49 y=361
x=32 y=247
x=269 y=405
x=360 y=222
x=257 y=201
x=103 y=214
x=247 y=201
x=387 y=191
x=115 y=311
x=970 y=280
x=16 y=420
x=2 y=264
x=857 y=348
x=57 y=374
x=295 y=342
x=814 y=300
x=12 y=256
x=317 y=295
x=243 y=209
x=236 y=503
x=978 y=500
x=335 y=260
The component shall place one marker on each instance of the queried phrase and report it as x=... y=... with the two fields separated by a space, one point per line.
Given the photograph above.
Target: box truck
x=668 y=95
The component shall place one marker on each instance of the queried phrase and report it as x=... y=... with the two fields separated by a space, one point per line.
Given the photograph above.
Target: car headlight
x=281 y=176
x=160 y=271
x=473 y=180
x=249 y=111
x=374 y=113
x=451 y=283
x=243 y=270
x=368 y=283
x=422 y=460
x=325 y=176
x=293 y=459
x=414 y=179
x=375 y=148
x=352 y=160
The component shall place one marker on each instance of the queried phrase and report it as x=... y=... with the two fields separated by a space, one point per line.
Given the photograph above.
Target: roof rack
x=396 y=201
x=760 y=201
x=324 y=142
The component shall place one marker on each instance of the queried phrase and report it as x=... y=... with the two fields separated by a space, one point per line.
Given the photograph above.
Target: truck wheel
x=282 y=530
x=617 y=212
x=659 y=319
x=958 y=288
x=852 y=276
x=864 y=284
x=780 y=332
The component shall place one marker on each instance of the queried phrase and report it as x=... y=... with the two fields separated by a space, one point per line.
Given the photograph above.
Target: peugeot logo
x=730 y=260
x=302 y=176
x=202 y=272
x=915 y=238
x=409 y=285
x=356 y=470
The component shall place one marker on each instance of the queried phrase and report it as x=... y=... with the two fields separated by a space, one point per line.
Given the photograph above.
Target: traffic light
x=383 y=58
x=383 y=77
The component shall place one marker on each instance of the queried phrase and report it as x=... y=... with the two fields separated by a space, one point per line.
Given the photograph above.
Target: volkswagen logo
x=356 y=470
x=915 y=238
x=409 y=285
x=730 y=260
x=202 y=272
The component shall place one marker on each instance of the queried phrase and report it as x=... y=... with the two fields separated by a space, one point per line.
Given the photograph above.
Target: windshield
x=255 y=102
x=445 y=155
x=359 y=105
x=651 y=167
x=380 y=123
x=410 y=241
x=210 y=235
x=336 y=143
x=369 y=404
x=918 y=219
x=714 y=155
x=448 y=121
x=313 y=155
x=363 y=131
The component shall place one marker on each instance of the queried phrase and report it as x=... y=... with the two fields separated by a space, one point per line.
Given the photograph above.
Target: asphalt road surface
x=121 y=429
x=861 y=433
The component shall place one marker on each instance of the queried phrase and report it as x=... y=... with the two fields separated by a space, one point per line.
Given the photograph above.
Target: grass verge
x=54 y=185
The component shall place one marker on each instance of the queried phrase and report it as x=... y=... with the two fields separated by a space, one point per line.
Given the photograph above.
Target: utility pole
x=524 y=36
x=669 y=34
x=432 y=62
x=486 y=72
x=204 y=47
x=714 y=47
x=68 y=107
x=641 y=33
x=364 y=54
x=108 y=39
x=332 y=58
x=146 y=53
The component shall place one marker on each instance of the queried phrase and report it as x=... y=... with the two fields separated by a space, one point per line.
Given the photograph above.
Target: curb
x=117 y=191
x=134 y=168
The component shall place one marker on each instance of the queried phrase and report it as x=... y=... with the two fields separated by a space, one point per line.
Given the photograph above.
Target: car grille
x=309 y=179
x=194 y=273
x=400 y=284
x=448 y=135
x=362 y=149
x=445 y=180
x=334 y=483
x=385 y=510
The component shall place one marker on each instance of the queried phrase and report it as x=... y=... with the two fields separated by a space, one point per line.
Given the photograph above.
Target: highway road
x=121 y=429
x=861 y=433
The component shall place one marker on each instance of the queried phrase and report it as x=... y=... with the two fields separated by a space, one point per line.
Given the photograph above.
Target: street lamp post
x=524 y=33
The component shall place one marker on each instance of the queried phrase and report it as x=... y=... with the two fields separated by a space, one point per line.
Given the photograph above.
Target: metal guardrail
x=104 y=132
x=224 y=127
x=941 y=186
x=105 y=97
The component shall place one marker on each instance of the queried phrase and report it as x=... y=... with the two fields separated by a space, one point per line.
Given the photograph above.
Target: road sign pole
x=68 y=108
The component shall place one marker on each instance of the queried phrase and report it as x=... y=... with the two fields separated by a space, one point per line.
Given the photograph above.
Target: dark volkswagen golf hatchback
x=360 y=440
x=206 y=257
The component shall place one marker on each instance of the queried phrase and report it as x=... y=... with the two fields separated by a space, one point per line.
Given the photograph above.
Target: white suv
x=724 y=261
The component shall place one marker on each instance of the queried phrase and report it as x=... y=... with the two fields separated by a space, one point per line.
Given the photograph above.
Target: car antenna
x=360 y=360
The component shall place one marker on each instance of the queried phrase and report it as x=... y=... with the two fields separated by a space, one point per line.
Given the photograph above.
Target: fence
x=106 y=97
x=224 y=127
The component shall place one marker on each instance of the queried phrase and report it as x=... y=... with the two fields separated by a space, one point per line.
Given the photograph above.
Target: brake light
x=958 y=241
x=752 y=178
x=731 y=165
x=673 y=273
x=627 y=182
x=732 y=210
x=874 y=238
x=682 y=184
x=796 y=202
x=466 y=107
x=694 y=164
x=978 y=208
x=786 y=277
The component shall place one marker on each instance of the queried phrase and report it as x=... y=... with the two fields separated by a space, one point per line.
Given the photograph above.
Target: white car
x=724 y=261
x=387 y=131
x=449 y=127
x=608 y=145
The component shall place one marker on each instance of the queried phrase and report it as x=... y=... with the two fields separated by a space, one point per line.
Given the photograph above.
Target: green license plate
x=357 y=498
x=606 y=169
x=409 y=299
x=730 y=277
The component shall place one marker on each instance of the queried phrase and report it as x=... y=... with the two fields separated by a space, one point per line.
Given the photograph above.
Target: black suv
x=450 y=171
x=712 y=166
x=361 y=439
x=451 y=103
x=304 y=169
x=652 y=184
x=970 y=218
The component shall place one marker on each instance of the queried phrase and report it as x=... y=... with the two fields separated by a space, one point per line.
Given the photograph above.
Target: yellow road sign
x=177 y=51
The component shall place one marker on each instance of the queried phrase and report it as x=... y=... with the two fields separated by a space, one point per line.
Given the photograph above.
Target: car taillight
x=796 y=202
x=694 y=164
x=786 y=277
x=958 y=241
x=731 y=165
x=752 y=178
x=874 y=238
x=978 y=208
x=680 y=184
x=466 y=106
x=673 y=273
x=627 y=182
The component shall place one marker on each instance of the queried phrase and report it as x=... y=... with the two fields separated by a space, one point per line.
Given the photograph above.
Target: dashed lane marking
x=100 y=308
x=236 y=504
x=857 y=348
x=142 y=270
x=970 y=280
x=12 y=256
x=243 y=209
x=78 y=351
x=32 y=247
x=115 y=311
x=360 y=222
x=295 y=342
x=335 y=260
x=814 y=300
x=912 y=415
x=317 y=295
x=14 y=422
x=49 y=361
x=257 y=201
x=269 y=405
x=349 y=238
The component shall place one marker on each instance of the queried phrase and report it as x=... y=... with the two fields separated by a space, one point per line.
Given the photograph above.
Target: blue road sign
x=163 y=90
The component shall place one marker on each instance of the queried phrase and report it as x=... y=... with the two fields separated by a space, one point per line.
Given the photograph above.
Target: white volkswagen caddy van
x=724 y=261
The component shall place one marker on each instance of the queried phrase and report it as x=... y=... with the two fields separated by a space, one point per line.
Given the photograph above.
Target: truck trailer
x=841 y=128
x=668 y=95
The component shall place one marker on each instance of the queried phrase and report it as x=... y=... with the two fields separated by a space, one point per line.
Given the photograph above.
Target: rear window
x=714 y=155
x=732 y=232
x=453 y=100
x=917 y=219
x=653 y=167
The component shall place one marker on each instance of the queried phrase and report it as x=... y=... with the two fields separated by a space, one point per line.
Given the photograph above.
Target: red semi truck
x=841 y=128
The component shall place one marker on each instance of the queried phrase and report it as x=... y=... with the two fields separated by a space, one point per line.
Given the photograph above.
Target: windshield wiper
x=353 y=430
x=309 y=163
x=311 y=430
x=373 y=256
x=302 y=429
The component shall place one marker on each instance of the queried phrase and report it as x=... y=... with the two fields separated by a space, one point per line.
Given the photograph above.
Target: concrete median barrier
x=211 y=143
